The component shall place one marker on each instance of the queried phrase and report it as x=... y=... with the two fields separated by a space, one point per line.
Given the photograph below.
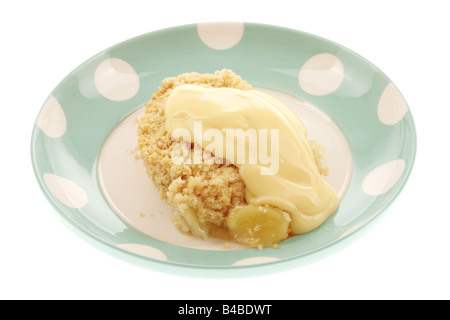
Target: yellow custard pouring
x=233 y=120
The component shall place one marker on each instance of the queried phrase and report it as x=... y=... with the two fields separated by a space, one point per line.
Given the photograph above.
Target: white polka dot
x=391 y=106
x=116 y=80
x=383 y=178
x=143 y=250
x=254 y=260
x=220 y=36
x=65 y=191
x=52 y=120
x=321 y=74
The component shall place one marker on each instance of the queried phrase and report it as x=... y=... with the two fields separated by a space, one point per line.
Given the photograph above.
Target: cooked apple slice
x=258 y=225
x=198 y=228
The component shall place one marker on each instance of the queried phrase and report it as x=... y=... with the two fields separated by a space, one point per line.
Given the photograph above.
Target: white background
x=404 y=254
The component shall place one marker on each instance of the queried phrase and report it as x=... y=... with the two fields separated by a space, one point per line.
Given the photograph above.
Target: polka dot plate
x=84 y=141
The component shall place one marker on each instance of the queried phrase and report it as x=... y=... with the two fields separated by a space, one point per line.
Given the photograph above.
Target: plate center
x=133 y=197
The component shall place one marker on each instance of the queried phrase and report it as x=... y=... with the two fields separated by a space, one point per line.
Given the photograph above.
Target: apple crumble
x=208 y=199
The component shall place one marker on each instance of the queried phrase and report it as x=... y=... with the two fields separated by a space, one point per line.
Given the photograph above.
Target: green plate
x=83 y=143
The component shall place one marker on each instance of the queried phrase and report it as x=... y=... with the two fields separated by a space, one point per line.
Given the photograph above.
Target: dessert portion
x=233 y=162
